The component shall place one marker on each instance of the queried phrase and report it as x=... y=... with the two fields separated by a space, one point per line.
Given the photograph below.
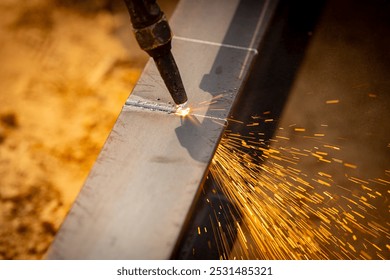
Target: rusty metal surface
x=140 y=191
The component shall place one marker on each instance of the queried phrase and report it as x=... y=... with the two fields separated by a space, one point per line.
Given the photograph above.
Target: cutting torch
x=154 y=36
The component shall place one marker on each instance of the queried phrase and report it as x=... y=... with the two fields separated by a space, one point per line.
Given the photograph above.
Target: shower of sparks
x=285 y=213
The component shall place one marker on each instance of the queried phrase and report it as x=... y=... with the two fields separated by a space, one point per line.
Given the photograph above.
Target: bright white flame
x=182 y=110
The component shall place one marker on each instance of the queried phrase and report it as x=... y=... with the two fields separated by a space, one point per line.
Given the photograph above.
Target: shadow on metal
x=189 y=128
x=229 y=68
x=211 y=231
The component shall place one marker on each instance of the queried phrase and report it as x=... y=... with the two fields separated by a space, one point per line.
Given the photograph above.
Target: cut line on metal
x=215 y=44
x=151 y=106
x=170 y=109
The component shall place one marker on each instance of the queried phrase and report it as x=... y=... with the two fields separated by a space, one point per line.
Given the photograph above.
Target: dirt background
x=66 y=70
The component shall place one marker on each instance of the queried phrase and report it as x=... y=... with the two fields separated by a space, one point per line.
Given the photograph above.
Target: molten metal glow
x=182 y=110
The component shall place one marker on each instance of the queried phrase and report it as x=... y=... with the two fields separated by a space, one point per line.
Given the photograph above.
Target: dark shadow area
x=189 y=130
x=276 y=66
x=266 y=90
x=212 y=229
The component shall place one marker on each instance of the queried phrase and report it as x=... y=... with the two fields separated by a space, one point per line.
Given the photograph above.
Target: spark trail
x=286 y=213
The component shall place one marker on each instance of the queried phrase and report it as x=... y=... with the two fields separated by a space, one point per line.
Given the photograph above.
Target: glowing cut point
x=182 y=110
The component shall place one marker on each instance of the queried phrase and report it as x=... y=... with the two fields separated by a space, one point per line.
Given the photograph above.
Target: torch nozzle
x=169 y=72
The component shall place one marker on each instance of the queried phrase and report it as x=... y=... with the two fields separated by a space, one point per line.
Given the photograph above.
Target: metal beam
x=140 y=191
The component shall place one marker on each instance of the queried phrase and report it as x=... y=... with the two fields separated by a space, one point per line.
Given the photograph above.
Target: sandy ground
x=64 y=78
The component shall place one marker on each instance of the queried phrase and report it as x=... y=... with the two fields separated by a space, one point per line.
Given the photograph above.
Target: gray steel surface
x=140 y=191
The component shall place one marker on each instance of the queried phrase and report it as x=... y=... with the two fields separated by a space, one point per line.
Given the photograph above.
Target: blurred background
x=66 y=69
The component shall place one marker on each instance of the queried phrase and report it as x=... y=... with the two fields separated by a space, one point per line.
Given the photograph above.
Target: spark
x=281 y=212
x=350 y=165
x=182 y=110
x=287 y=214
